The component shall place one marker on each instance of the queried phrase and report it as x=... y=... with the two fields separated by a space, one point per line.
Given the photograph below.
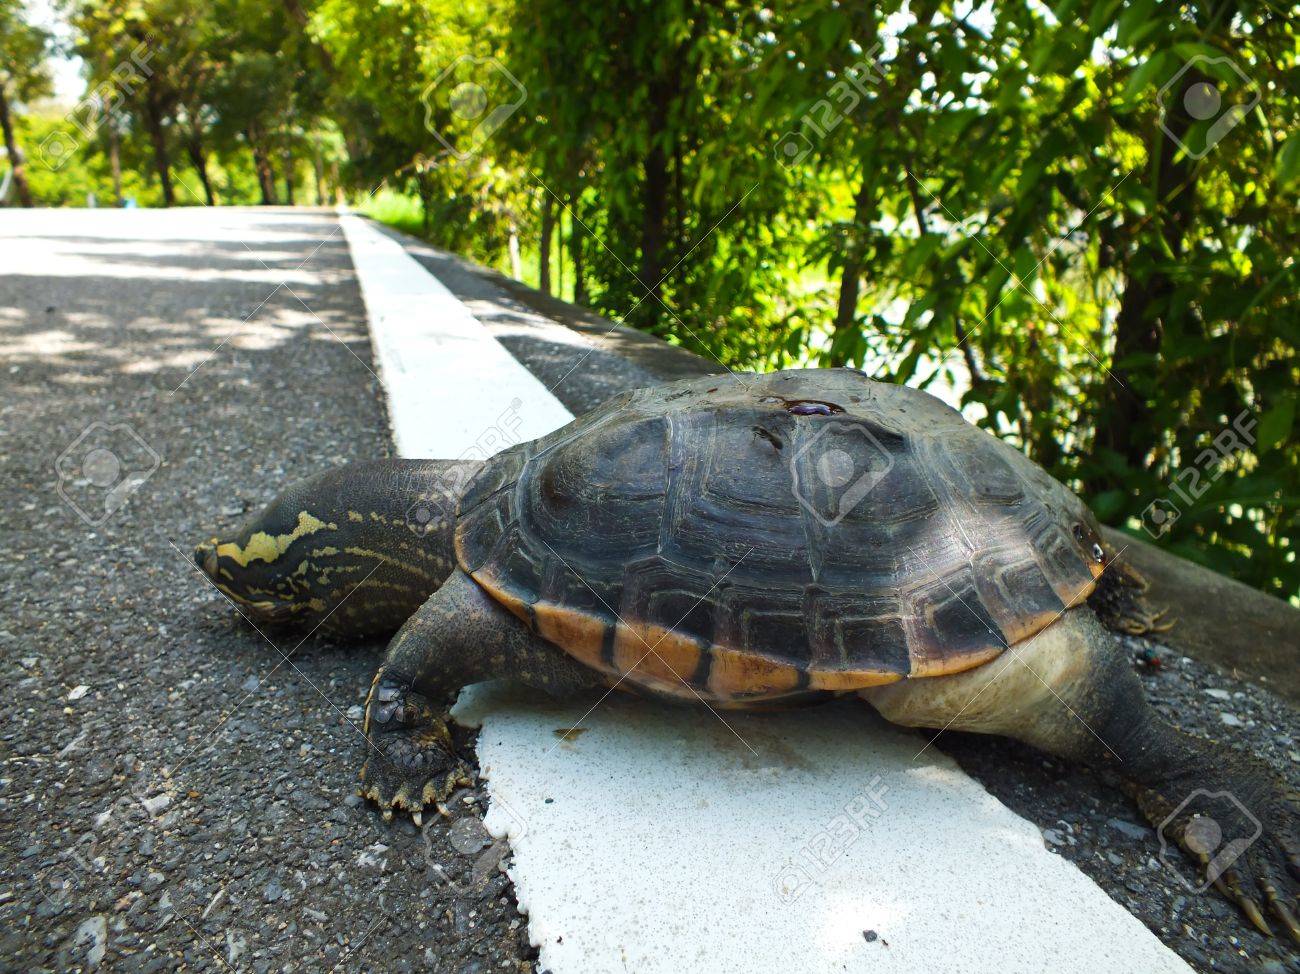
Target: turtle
x=755 y=541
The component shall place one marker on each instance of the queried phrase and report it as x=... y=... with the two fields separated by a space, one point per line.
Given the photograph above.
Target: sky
x=68 y=83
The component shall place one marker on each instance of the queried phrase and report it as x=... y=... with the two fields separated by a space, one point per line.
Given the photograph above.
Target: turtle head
x=267 y=567
x=1086 y=532
x=381 y=528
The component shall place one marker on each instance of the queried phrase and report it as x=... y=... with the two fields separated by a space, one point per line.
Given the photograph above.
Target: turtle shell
x=751 y=537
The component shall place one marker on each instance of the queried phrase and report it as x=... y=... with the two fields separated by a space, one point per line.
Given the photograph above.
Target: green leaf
x=1287 y=166
x=1109 y=504
x=1101 y=16
x=1150 y=70
x=1275 y=425
x=1134 y=19
x=1195 y=49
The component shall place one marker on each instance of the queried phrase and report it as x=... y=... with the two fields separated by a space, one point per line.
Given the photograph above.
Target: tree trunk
x=154 y=115
x=288 y=179
x=846 y=313
x=16 y=162
x=265 y=178
x=319 y=170
x=544 y=245
x=576 y=233
x=1123 y=420
x=665 y=93
x=424 y=187
x=512 y=245
x=199 y=160
x=654 y=210
x=115 y=158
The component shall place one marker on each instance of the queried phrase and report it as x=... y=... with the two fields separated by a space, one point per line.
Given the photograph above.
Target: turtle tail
x=382 y=529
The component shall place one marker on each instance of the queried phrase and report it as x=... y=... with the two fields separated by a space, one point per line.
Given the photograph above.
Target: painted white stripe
x=452 y=387
x=660 y=841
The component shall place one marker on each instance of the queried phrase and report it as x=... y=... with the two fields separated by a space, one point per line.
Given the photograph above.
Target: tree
x=137 y=53
x=24 y=75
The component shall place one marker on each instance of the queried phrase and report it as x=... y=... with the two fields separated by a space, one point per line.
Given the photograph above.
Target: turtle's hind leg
x=1071 y=690
x=459 y=636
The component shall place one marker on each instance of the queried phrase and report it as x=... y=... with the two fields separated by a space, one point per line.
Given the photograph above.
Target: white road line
x=449 y=382
x=653 y=841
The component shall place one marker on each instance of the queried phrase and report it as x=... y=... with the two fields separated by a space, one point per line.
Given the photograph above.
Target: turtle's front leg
x=1120 y=602
x=459 y=636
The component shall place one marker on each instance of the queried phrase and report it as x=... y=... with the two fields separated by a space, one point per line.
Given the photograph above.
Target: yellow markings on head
x=245 y=599
x=265 y=547
x=389 y=559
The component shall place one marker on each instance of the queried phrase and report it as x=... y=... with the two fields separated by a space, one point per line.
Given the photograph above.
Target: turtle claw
x=1253 y=873
x=1229 y=886
x=1159 y=622
x=395 y=787
x=1121 y=603
x=1280 y=910
x=412 y=761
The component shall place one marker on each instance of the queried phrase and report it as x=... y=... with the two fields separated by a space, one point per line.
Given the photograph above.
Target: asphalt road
x=178 y=793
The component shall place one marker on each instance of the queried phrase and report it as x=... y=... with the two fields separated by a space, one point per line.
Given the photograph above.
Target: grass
x=397 y=210
x=402 y=212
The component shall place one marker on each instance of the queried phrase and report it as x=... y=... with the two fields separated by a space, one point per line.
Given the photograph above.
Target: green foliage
x=227 y=99
x=1014 y=204
x=24 y=73
x=83 y=173
x=398 y=211
x=24 y=76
